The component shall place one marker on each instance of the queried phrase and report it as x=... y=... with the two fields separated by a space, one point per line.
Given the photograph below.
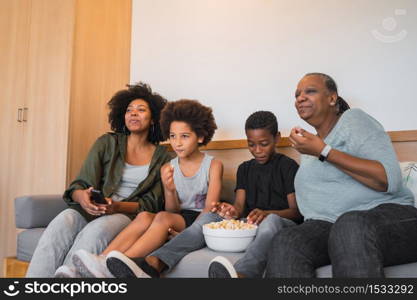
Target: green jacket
x=103 y=170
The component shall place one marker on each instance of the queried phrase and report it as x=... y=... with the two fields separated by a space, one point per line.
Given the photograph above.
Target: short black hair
x=262 y=120
x=121 y=100
x=199 y=117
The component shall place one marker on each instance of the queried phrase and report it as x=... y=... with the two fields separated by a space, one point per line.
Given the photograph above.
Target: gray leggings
x=67 y=233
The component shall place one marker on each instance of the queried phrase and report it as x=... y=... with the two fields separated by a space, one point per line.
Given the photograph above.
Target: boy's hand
x=167 y=177
x=224 y=210
x=256 y=216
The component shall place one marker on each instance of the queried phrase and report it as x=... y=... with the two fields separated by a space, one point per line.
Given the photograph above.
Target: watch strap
x=325 y=152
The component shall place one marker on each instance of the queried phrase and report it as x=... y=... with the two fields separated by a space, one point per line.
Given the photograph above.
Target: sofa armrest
x=37 y=210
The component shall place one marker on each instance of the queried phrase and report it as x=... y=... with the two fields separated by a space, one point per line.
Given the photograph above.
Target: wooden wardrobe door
x=14 y=43
x=47 y=101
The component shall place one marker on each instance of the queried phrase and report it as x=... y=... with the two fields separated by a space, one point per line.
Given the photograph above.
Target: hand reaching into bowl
x=256 y=216
x=225 y=210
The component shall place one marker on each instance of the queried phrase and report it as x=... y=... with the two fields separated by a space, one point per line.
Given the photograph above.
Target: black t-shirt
x=267 y=185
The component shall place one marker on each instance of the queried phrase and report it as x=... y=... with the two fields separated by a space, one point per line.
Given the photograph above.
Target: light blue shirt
x=324 y=192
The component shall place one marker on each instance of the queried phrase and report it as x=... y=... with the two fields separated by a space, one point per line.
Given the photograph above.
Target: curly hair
x=121 y=100
x=199 y=117
x=262 y=120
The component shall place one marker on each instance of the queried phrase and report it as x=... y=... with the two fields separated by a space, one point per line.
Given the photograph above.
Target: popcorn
x=298 y=130
x=230 y=225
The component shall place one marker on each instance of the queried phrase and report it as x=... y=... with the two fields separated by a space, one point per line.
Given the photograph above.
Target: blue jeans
x=67 y=233
x=252 y=264
x=358 y=244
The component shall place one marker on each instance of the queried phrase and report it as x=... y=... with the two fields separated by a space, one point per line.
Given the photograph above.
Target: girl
x=191 y=181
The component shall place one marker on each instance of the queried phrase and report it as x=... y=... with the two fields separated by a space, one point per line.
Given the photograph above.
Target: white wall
x=239 y=56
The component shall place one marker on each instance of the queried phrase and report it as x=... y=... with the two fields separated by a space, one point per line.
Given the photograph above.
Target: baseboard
x=14 y=268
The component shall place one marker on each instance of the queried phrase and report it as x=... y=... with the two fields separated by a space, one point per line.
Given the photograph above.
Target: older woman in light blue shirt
x=358 y=215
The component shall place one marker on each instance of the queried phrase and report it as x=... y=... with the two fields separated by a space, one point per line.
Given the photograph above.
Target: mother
x=359 y=216
x=125 y=166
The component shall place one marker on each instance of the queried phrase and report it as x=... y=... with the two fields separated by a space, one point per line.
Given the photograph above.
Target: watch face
x=322 y=158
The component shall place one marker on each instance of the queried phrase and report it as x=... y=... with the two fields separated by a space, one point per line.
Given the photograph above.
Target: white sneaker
x=90 y=265
x=221 y=267
x=66 y=272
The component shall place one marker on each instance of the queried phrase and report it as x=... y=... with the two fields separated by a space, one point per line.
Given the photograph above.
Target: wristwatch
x=324 y=153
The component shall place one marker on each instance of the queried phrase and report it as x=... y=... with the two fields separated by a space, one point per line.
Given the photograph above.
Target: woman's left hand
x=306 y=142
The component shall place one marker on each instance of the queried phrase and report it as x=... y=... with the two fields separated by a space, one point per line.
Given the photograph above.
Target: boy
x=264 y=193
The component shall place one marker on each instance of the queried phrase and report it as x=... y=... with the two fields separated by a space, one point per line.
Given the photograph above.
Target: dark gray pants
x=358 y=244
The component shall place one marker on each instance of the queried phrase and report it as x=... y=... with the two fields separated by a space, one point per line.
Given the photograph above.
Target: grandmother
x=359 y=217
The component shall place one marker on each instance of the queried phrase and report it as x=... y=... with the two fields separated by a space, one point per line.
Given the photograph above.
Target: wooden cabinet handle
x=19 y=115
x=25 y=110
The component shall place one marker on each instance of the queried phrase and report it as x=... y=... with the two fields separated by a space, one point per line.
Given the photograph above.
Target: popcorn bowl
x=228 y=240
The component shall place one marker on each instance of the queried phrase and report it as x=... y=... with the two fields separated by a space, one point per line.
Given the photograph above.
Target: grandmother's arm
x=368 y=172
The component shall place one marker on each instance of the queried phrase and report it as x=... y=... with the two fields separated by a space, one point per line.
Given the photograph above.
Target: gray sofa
x=33 y=213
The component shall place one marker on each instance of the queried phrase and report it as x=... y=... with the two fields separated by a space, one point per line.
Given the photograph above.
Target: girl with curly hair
x=191 y=182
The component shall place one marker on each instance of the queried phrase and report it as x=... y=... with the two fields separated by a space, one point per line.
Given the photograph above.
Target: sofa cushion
x=324 y=272
x=27 y=241
x=228 y=190
x=398 y=271
x=405 y=270
x=409 y=173
x=37 y=210
x=196 y=263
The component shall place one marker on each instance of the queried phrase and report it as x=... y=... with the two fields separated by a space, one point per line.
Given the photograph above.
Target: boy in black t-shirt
x=264 y=194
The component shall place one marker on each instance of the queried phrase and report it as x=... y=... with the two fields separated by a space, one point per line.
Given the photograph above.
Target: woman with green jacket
x=124 y=166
